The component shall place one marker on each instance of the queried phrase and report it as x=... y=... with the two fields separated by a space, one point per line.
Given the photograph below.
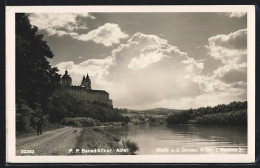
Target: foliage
x=233 y=117
x=233 y=113
x=131 y=146
x=35 y=78
x=64 y=105
x=179 y=117
x=80 y=122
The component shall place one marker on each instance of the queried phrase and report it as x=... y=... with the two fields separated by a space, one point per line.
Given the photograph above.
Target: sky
x=152 y=60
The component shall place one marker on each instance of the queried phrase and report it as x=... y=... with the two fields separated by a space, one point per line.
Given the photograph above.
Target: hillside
x=234 y=113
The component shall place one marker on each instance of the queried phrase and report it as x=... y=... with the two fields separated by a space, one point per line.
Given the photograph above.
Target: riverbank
x=98 y=141
x=89 y=122
x=86 y=122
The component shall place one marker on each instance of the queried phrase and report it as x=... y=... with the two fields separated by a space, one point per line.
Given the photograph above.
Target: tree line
x=233 y=113
x=37 y=83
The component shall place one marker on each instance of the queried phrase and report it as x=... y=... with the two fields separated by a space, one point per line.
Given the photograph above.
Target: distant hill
x=160 y=110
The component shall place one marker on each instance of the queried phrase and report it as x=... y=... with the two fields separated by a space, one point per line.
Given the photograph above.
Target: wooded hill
x=234 y=113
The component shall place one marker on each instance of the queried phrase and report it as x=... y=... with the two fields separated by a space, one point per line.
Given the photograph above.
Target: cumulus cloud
x=96 y=68
x=108 y=34
x=144 y=60
x=231 y=48
x=148 y=72
x=209 y=84
x=193 y=65
x=143 y=71
x=68 y=24
x=231 y=73
x=57 y=21
x=231 y=76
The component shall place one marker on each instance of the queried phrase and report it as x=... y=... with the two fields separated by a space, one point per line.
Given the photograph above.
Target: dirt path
x=55 y=142
x=65 y=141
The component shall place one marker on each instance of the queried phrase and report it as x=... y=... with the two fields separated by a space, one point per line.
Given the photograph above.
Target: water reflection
x=150 y=138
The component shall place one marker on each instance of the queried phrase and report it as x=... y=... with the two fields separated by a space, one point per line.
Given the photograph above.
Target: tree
x=35 y=78
x=233 y=113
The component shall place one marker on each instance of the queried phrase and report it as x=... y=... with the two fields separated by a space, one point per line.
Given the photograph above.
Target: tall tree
x=35 y=78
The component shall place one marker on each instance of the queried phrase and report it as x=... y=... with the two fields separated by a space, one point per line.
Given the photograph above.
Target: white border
x=184 y=158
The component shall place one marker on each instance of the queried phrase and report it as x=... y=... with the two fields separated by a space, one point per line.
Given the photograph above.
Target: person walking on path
x=39 y=127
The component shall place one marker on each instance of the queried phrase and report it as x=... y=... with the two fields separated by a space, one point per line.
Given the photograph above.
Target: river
x=185 y=139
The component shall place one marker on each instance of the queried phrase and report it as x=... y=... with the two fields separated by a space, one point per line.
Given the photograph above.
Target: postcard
x=130 y=84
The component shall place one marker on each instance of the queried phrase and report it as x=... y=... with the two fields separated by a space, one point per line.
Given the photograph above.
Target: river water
x=185 y=139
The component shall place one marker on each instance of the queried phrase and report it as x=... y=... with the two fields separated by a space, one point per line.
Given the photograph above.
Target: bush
x=131 y=146
x=98 y=129
x=80 y=122
x=117 y=139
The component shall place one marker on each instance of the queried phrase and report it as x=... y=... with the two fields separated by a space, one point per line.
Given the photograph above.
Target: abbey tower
x=86 y=82
x=66 y=79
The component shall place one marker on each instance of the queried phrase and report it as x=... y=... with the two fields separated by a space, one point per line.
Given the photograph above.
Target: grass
x=99 y=138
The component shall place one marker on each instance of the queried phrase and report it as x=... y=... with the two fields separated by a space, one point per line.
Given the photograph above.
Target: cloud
x=236 y=40
x=231 y=76
x=144 y=60
x=231 y=73
x=94 y=67
x=68 y=25
x=148 y=72
x=148 y=69
x=60 y=33
x=108 y=34
x=143 y=71
x=193 y=65
x=231 y=48
x=72 y=27
x=209 y=84
x=150 y=49
x=57 y=21
x=235 y=14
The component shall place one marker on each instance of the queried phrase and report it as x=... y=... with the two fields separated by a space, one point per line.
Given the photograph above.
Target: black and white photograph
x=130 y=84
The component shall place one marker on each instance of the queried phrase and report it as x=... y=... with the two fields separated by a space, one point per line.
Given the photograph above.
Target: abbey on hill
x=84 y=91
